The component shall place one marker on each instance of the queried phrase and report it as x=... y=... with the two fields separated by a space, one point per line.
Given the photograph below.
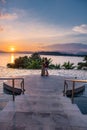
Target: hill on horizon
x=73 y=48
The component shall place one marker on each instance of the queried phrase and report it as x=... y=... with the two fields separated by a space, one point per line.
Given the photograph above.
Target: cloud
x=29 y=28
x=1 y=28
x=3 y=1
x=80 y=29
x=8 y=16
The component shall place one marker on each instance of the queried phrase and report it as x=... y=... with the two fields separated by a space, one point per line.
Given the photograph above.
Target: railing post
x=73 y=87
x=23 y=85
x=13 y=89
x=64 y=88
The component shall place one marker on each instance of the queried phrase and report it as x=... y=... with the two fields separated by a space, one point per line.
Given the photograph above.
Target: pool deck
x=42 y=107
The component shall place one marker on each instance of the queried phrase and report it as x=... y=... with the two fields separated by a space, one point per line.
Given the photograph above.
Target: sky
x=31 y=25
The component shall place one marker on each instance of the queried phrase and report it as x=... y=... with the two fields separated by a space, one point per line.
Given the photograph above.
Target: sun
x=12 y=49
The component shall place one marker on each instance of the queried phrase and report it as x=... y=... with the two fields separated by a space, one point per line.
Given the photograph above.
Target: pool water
x=3 y=104
x=81 y=101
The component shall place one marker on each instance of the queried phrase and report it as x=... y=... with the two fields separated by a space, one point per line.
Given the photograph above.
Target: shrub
x=68 y=65
x=52 y=66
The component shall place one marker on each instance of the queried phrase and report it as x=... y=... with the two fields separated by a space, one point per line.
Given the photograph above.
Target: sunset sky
x=31 y=25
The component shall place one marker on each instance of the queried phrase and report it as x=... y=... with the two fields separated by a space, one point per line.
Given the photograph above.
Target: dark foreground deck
x=42 y=107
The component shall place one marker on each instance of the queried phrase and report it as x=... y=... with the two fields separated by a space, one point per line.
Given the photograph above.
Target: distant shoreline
x=47 y=53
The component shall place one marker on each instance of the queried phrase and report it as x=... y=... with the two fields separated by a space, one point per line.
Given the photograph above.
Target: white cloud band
x=4 y=16
x=80 y=29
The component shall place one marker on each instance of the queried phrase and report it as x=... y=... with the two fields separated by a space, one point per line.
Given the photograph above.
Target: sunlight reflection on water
x=12 y=58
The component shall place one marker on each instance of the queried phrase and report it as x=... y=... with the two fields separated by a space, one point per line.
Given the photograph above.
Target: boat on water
x=9 y=89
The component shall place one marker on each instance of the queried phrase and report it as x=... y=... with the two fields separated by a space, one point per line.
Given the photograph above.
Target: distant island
x=58 y=53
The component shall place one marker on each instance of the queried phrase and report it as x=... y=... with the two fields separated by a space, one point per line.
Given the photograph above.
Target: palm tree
x=85 y=59
x=83 y=65
x=68 y=65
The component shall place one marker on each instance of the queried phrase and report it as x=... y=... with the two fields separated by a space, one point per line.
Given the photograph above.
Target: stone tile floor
x=42 y=107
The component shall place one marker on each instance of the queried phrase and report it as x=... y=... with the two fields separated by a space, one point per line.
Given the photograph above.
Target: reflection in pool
x=81 y=101
x=3 y=104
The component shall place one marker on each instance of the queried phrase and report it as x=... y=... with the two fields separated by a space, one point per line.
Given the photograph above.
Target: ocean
x=9 y=58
